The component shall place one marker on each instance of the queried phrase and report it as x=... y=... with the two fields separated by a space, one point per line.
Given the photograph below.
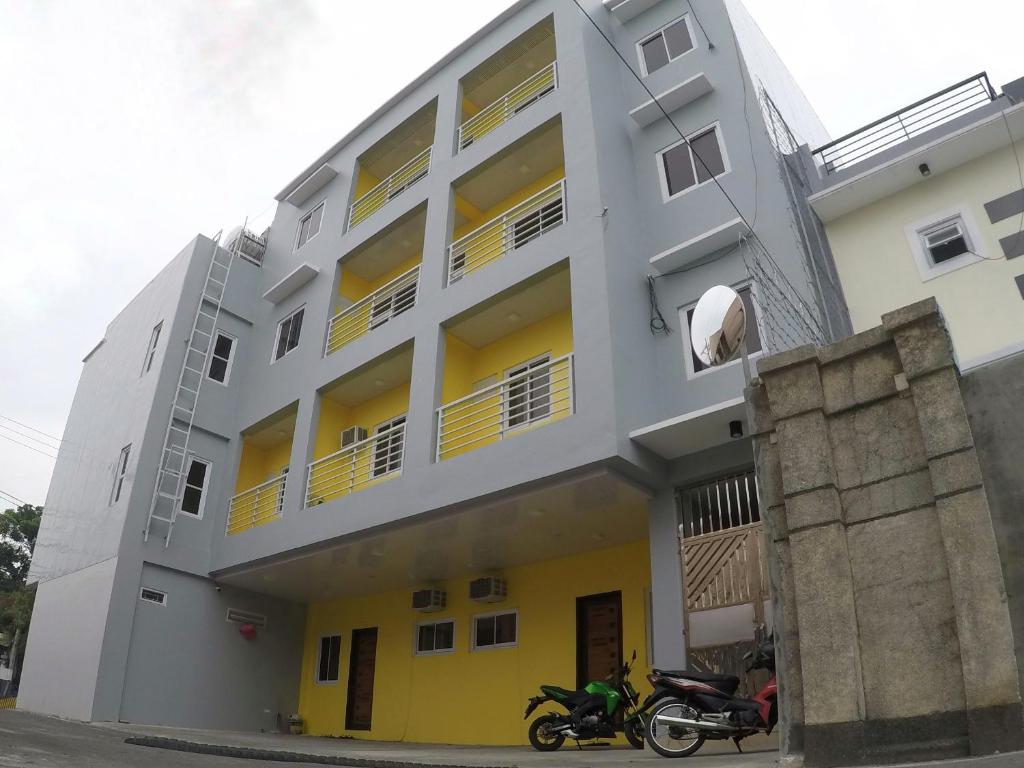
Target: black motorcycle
x=593 y=712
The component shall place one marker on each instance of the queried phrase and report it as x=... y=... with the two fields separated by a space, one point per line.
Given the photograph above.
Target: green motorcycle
x=594 y=712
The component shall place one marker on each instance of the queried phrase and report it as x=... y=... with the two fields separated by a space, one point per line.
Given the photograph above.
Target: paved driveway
x=33 y=740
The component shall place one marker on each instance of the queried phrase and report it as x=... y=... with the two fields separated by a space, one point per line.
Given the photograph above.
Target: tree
x=19 y=529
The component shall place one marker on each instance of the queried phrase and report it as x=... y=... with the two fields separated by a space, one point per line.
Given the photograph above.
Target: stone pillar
x=894 y=640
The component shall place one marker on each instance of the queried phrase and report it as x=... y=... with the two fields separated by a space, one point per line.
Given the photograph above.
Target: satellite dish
x=228 y=240
x=718 y=326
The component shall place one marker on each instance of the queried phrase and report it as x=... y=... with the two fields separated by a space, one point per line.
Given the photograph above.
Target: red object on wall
x=248 y=631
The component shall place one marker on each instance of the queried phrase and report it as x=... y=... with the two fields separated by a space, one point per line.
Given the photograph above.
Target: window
x=665 y=45
x=119 y=472
x=309 y=225
x=288 y=333
x=496 y=630
x=457 y=268
x=328 y=659
x=220 y=357
x=535 y=224
x=945 y=241
x=435 y=637
x=529 y=392
x=154 y=338
x=386 y=307
x=695 y=364
x=679 y=166
x=389 y=446
x=280 y=492
x=197 y=478
x=148 y=595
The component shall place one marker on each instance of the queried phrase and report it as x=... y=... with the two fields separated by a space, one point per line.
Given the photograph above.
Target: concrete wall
x=885 y=564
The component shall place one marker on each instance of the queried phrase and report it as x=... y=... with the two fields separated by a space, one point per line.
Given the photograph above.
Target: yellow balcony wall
x=504 y=409
x=337 y=472
x=361 y=313
x=260 y=486
x=493 y=684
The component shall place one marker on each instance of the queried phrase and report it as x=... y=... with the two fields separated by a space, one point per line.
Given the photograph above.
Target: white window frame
x=495 y=646
x=144 y=588
x=154 y=341
x=385 y=425
x=506 y=397
x=309 y=215
x=231 y=355
x=319 y=656
x=437 y=652
x=277 y=336
x=926 y=268
x=666 y=196
x=688 y=345
x=120 y=472
x=204 y=491
x=659 y=31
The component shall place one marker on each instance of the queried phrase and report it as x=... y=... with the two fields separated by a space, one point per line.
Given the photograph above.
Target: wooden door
x=362 y=663
x=598 y=636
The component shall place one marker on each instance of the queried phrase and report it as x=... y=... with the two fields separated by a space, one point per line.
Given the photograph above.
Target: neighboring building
x=929 y=201
x=433 y=382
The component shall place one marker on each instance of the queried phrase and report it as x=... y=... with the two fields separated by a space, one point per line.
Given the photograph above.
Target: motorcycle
x=592 y=712
x=688 y=707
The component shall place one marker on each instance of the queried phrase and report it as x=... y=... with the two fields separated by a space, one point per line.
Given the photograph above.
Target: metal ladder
x=173 y=458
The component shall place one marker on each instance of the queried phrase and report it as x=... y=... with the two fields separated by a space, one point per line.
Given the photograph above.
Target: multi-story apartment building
x=436 y=442
x=929 y=201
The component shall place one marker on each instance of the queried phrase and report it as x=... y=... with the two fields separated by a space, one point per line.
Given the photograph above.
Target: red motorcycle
x=688 y=707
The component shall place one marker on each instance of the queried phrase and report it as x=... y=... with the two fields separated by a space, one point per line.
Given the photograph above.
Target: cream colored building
x=929 y=201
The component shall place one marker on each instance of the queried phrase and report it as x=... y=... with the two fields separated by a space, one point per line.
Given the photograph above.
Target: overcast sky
x=127 y=126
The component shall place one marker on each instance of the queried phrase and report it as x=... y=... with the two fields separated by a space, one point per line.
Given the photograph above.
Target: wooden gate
x=726 y=568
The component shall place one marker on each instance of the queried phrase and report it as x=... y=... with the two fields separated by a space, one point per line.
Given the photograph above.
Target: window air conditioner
x=488 y=589
x=427 y=600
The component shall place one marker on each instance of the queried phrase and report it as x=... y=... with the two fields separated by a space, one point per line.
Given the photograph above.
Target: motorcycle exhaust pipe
x=703 y=725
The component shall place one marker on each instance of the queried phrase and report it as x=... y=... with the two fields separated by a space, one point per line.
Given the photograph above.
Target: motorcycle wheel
x=672 y=740
x=634 y=733
x=541 y=737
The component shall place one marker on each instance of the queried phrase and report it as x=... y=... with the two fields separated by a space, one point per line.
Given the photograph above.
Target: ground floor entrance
x=361 y=668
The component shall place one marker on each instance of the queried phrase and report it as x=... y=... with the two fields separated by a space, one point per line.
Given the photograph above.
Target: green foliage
x=18 y=531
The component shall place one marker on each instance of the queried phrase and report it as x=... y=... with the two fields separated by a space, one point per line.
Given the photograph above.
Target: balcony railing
x=356 y=466
x=390 y=188
x=906 y=123
x=501 y=110
x=539 y=393
x=514 y=229
x=373 y=311
x=256 y=506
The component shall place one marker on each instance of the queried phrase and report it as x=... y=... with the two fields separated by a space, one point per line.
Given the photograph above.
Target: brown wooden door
x=362 y=663
x=598 y=636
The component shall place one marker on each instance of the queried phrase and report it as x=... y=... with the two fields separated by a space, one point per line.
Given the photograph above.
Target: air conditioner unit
x=353 y=435
x=427 y=600
x=488 y=589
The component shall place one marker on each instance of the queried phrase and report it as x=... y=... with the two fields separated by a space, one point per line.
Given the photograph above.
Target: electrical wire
x=12 y=497
x=26 y=445
x=26 y=426
x=693 y=11
x=1020 y=176
x=810 y=315
x=27 y=436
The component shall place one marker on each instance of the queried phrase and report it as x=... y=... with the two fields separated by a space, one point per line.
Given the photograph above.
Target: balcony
x=509 y=201
x=508 y=366
x=360 y=438
x=378 y=281
x=499 y=112
x=541 y=392
x=393 y=165
x=262 y=472
x=515 y=77
x=906 y=123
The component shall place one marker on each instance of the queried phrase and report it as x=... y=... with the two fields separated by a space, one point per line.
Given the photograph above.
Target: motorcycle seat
x=725 y=683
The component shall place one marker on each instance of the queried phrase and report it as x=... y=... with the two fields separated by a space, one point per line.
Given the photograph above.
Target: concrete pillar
x=667 y=596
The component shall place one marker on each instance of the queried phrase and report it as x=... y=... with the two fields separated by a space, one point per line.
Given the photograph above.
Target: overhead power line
x=33 y=429
x=26 y=445
x=27 y=436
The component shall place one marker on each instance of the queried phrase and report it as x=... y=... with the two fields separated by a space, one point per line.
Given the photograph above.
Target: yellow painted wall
x=473 y=697
x=261 y=464
x=981 y=303
x=354 y=288
x=365 y=181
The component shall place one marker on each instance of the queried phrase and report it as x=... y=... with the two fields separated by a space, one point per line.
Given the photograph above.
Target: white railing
x=389 y=188
x=501 y=110
x=372 y=311
x=256 y=506
x=356 y=466
x=515 y=228
x=539 y=394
